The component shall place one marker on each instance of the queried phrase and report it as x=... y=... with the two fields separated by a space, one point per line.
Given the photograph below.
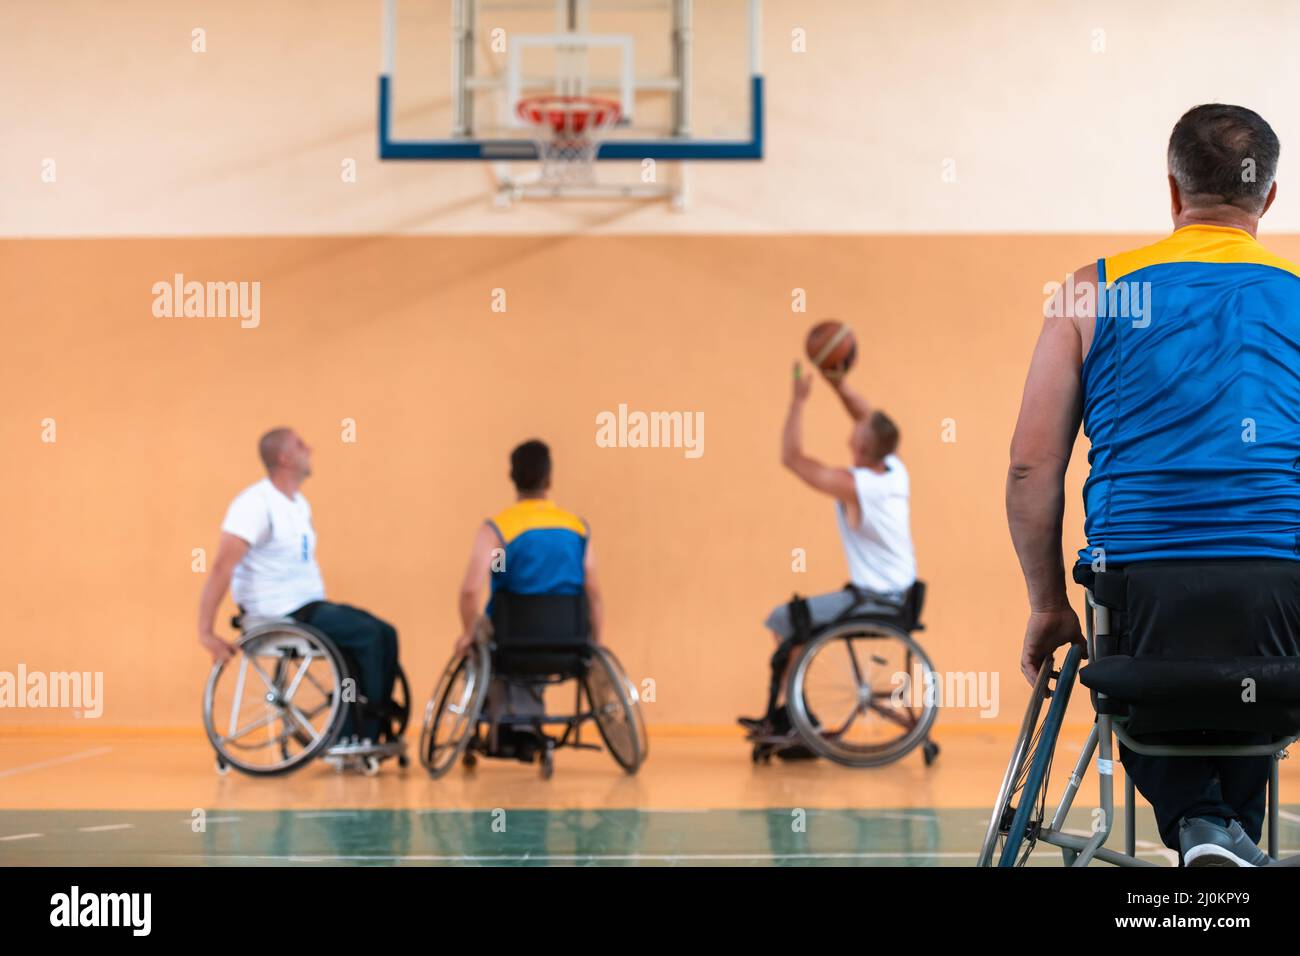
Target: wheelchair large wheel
x=616 y=707
x=451 y=717
x=1022 y=799
x=401 y=712
x=276 y=704
x=858 y=694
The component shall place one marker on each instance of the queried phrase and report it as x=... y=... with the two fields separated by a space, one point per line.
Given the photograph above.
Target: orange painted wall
x=157 y=421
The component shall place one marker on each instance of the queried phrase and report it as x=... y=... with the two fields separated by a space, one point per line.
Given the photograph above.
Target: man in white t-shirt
x=872 y=511
x=267 y=557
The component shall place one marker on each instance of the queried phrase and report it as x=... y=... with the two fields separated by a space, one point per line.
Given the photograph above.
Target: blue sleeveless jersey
x=545 y=549
x=1192 y=402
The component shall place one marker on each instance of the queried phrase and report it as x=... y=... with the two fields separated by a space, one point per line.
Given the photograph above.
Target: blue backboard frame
x=470 y=148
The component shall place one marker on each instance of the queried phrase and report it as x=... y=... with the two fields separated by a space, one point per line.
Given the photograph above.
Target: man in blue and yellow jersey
x=1182 y=361
x=532 y=547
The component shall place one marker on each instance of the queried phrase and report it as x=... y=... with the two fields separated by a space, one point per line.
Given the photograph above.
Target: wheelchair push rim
x=615 y=706
x=451 y=717
x=1019 y=812
x=275 y=704
x=844 y=690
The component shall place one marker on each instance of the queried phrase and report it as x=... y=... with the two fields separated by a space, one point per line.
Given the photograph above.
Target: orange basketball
x=832 y=348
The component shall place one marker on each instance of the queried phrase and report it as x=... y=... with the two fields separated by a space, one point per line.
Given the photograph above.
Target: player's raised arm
x=837 y=482
x=853 y=402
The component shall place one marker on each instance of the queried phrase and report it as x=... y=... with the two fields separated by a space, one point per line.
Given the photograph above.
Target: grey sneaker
x=1205 y=843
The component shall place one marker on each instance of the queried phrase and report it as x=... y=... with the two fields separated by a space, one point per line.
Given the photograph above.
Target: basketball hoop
x=568 y=130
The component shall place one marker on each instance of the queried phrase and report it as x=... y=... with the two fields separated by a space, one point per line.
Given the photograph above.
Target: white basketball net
x=568 y=133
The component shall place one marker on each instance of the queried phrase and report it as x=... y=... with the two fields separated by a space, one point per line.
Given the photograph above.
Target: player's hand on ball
x=836 y=374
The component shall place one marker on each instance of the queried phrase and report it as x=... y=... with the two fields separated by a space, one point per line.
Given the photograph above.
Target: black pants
x=1205 y=609
x=371 y=645
x=1232 y=788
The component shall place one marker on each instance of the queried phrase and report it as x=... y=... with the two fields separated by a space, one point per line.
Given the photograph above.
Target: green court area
x=505 y=837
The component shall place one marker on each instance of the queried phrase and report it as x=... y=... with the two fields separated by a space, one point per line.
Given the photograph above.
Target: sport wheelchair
x=280 y=703
x=1118 y=682
x=532 y=642
x=861 y=692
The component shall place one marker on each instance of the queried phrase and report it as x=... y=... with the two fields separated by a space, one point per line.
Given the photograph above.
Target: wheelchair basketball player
x=872 y=513
x=267 y=557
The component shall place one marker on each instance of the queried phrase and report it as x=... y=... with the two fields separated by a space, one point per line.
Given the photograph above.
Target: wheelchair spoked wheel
x=400 y=715
x=858 y=694
x=451 y=717
x=616 y=707
x=1022 y=799
x=276 y=704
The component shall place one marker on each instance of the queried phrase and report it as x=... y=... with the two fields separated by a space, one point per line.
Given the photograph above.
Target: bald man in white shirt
x=267 y=557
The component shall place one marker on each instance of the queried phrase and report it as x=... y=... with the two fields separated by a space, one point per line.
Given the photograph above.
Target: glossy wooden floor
x=120 y=799
x=684 y=771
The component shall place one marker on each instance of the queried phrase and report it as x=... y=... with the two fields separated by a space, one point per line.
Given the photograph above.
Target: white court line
x=1288 y=815
x=581 y=857
x=811 y=812
x=21 y=836
x=188 y=820
x=97 y=752
x=106 y=827
x=612 y=857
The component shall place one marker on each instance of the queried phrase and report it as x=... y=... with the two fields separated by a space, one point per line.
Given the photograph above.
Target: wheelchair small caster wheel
x=470 y=761
x=370 y=766
x=223 y=768
x=548 y=763
x=929 y=750
x=403 y=761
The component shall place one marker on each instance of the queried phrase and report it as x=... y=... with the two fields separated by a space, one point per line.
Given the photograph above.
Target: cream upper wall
x=247 y=138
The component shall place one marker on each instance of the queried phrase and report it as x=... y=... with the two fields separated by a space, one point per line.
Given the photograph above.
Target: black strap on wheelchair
x=801 y=633
x=862 y=596
x=1109 y=588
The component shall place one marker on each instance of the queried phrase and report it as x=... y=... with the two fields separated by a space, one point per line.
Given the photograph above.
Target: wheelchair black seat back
x=1146 y=678
x=284 y=699
x=1164 y=678
x=540 y=635
x=528 y=643
x=858 y=689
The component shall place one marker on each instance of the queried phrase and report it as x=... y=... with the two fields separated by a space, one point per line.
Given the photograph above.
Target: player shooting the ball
x=871 y=510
